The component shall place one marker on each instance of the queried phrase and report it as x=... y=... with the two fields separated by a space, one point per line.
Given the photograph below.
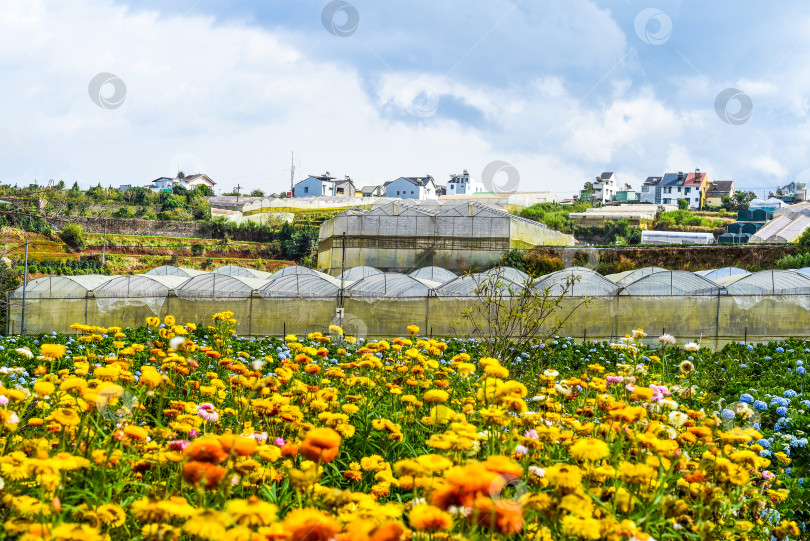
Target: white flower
x=691 y=346
x=521 y=450
x=551 y=373
x=677 y=418
x=667 y=339
x=177 y=342
x=25 y=352
x=537 y=471
x=257 y=364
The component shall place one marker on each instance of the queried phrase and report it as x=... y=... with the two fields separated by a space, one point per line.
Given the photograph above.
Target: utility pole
x=292 y=173
x=238 y=187
x=25 y=287
x=104 y=246
x=342 y=276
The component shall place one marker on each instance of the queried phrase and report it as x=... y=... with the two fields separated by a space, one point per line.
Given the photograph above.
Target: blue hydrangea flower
x=801 y=371
x=790 y=393
x=727 y=414
x=764 y=443
x=747 y=398
x=749 y=347
x=760 y=405
x=781 y=411
x=780 y=349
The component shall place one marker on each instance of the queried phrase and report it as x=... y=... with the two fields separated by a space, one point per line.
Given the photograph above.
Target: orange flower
x=427 y=518
x=289 y=451
x=194 y=472
x=321 y=445
x=462 y=485
x=206 y=450
x=310 y=525
x=238 y=445
x=505 y=516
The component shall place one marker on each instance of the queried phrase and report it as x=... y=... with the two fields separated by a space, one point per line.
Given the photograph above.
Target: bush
x=72 y=236
x=197 y=250
x=181 y=215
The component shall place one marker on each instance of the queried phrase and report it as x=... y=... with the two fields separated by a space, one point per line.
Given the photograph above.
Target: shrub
x=197 y=249
x=72 y=236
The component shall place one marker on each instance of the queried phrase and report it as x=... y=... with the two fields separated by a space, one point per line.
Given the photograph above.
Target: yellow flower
x=168 y=321
x=44 y=388
x=435 y=396
x=310 y=524
x=52 y=351
x=65 y=417
x=584 y=528
x=565 y=476
x=589 y=449
x=153 y=321
x=413 y=329
x=208 y=524
x=252 y=512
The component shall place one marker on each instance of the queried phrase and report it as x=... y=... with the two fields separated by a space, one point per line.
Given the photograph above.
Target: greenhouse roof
x=356 y=273
x=139 y=285
x=301 y=285
x=715 y=274
x=244 y=272
x=295 y=269
x=509 y=273
x=671 y=283
x=768 y=282
x=171 y=270
x=434 y=274
x=216 y=285
x=61 y=287
x=390 y=284
x=467 y=284
x=628 y=277
x=583 y=282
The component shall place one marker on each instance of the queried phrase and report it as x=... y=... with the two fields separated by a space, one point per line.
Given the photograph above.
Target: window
x=667 y=201
x=397 y=192
x=687 y=190
x=668 y=190
x=679 y=189
x=306 y=189
x=411 y=192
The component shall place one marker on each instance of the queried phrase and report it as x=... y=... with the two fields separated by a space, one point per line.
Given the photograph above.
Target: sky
x=116 y=92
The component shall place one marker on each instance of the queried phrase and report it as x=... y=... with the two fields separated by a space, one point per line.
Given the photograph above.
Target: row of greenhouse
x=723 y=304
x=367 y=282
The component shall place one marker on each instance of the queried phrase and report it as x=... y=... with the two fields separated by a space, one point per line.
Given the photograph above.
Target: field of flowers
x=183 y=431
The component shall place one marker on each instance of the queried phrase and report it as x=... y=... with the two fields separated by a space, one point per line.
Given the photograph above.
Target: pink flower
x=259 y=436
x=521 y=450
x=630 y=387
x=3 y=400
x=193 y=433
x=178 y=445
x=531 y=434
x=280 y=442
x=207 y=412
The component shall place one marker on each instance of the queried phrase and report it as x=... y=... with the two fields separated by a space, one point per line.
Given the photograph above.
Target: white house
x=412 y=188
x=189 y=182
x=315 y=186
x=605 y=187
x=464 y=185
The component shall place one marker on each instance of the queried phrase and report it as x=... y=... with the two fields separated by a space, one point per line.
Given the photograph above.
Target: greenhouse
x=356 y=273
x=714 y=274
x=676 y=237
x=723 y=304
x=243 y=272
x=171 y=270
x=434 y=274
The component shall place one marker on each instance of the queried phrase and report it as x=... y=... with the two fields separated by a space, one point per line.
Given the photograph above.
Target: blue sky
x=560 y=89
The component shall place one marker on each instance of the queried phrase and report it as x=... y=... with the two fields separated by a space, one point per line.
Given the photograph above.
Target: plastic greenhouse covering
x=301 y=286
x=676 y=237
x=715 y=274
x=628 y=277
x=356 y=273
x=714 y=306
x=773 y=282
x=243 y=272
x=584 y=282
x=390 y=284
x=770 y=229
x=171 y=270
x=434 y=274
x=793 y=230
x=671 y=283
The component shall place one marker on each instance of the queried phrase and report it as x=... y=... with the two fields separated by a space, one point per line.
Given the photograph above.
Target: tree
x=506 y=316
x=9 y=281
x=203 y=190
x=60 y=185
x=181 y=174
x=683 y=204
x=588 y=189
x=257 y=193
x=739 y=201
x=72 y=236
